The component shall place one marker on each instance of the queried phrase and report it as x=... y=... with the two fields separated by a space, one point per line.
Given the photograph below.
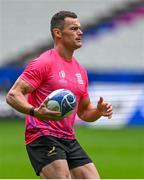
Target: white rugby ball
x=62 y=100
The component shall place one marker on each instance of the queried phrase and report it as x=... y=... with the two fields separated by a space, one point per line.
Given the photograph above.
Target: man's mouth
x=78 y=39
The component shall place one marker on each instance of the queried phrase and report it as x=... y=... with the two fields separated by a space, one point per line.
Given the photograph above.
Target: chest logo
x=62 y=74
x=79 y=78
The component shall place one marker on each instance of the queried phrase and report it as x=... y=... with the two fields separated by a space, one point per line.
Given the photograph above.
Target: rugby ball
x=62 y=100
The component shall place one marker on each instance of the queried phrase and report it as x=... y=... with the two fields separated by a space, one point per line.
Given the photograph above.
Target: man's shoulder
x=46 y=57
x=47 y=54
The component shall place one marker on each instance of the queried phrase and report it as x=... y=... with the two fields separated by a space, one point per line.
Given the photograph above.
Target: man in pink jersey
x=50 y=140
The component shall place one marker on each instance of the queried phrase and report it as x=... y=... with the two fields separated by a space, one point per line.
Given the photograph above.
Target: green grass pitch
x=117 y=153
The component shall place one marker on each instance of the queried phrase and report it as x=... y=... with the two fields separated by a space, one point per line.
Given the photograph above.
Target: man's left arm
x=90 y=113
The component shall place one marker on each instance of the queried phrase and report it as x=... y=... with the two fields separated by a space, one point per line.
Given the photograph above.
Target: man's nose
x=80 y=32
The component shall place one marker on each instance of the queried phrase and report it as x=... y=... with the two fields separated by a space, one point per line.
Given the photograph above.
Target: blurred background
x=112 y=53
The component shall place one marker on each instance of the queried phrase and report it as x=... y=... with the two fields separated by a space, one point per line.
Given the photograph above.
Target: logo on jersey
x=62 y=74
x=79 y=78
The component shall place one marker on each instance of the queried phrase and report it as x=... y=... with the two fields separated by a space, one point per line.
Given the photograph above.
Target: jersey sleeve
x=34 y=74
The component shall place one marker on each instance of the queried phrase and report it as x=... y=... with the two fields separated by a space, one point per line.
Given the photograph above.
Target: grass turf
x=117 y=153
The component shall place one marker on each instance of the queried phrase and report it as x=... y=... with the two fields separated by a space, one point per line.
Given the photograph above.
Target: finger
x=100 y=100
x=109 y=117
x=43 y=105
x=109 y=109
x=46 y=100
x=53 y=112
x=106 y=114
x=108 y=105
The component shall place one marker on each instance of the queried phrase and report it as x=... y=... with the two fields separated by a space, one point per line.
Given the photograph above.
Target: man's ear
x=57 y=33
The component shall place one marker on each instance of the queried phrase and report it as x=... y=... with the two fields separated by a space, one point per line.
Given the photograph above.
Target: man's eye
x=74 y=28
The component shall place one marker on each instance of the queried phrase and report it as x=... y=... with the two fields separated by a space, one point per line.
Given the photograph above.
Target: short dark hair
x=57 y=20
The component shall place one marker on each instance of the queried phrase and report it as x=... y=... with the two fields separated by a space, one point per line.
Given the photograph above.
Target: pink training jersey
x=45 y=74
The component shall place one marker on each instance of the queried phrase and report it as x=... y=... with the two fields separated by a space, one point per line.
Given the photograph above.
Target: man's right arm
x=16 y=98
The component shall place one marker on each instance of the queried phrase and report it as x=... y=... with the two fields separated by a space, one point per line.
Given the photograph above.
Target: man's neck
x=64 y=52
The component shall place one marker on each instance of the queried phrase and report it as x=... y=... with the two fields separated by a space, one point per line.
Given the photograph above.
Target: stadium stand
x=30 y=33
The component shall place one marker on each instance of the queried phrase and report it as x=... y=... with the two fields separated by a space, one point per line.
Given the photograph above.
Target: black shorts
x=47 y=149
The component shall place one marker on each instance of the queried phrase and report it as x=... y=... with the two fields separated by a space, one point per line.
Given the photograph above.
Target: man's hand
x=43 y=112
x=104 y=108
